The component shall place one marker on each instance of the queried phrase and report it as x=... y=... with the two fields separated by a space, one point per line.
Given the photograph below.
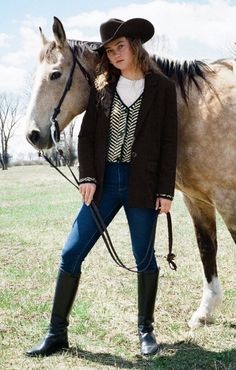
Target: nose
x=33 y=136
x=117 y=53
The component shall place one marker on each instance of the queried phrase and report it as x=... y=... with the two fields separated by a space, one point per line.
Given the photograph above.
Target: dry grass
x=36 y=211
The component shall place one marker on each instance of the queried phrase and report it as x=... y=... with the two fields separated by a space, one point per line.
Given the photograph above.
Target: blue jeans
x=84 y=232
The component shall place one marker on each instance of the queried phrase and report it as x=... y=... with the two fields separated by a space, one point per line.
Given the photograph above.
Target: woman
x=127 y=155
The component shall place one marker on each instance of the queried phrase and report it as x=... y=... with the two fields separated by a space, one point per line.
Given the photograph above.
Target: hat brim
x=135 y=28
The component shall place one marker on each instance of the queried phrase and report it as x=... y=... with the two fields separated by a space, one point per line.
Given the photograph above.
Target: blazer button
x=134 y=154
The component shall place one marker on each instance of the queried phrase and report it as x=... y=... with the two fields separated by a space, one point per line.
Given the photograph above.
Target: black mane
x=185 y=73
x=81 y=44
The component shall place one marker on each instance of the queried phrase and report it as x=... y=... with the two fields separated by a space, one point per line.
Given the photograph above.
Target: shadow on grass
x=180 y=355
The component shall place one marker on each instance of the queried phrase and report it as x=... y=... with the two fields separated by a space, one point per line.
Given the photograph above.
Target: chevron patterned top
x=122 y=127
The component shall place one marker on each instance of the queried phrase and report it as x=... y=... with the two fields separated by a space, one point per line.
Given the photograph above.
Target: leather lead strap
x=107 y=240
x=103 y=229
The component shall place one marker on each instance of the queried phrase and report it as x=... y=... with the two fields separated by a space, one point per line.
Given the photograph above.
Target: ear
x=43 y=38
x=59 y=33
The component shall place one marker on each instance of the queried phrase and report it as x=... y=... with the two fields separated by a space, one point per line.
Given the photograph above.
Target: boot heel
x=148 y=344
x=49 y=345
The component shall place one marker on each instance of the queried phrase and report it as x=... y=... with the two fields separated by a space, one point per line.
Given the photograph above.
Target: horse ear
x=43 y=38
x=59 y=33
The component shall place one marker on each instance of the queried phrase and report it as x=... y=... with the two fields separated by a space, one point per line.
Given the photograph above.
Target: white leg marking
x=211 y=298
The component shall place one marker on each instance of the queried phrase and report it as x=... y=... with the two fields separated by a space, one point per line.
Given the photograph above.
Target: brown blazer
x=153 y=162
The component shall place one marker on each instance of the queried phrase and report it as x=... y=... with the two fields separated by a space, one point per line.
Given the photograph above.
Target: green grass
x=37 y=209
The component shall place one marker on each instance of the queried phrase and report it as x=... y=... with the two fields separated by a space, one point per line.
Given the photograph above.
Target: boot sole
x=50 y=352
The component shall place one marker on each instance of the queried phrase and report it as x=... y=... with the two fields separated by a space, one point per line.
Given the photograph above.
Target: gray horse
x=206 y=168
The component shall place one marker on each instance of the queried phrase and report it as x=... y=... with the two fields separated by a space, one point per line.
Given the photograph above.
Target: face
x=120 y=54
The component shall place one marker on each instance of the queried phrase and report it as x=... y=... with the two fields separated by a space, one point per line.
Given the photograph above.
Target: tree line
x=11 y=112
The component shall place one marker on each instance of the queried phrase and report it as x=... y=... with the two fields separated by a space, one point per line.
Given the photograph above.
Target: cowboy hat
x=136 y=28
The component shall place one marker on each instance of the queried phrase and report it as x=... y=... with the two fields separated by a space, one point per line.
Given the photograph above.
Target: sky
x=203 y=29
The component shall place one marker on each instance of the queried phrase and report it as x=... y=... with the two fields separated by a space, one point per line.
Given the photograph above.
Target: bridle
x=55 y=131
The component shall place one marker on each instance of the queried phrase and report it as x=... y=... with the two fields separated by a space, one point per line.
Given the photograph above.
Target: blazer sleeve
x=168 y=153
x=86 y=141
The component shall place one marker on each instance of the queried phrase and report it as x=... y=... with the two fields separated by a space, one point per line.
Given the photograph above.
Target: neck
x=132 y=74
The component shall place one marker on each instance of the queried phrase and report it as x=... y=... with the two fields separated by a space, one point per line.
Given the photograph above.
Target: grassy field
x=37 y=208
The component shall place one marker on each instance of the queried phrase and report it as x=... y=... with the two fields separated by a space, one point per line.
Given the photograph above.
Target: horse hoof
x=199 y=319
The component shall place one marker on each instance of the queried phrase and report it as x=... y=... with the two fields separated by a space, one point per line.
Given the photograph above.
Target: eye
x=55 y=75
x=120 y=46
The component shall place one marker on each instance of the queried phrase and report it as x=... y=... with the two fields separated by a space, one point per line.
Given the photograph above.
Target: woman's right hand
x=87 y=191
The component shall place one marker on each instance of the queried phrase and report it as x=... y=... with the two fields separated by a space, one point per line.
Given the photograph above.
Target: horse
x=206 y=161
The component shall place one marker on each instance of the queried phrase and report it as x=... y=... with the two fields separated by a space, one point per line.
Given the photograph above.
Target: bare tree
x=159 y=45
x=9 y=117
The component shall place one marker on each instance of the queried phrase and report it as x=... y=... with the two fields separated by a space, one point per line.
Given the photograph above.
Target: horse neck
x=87 y=57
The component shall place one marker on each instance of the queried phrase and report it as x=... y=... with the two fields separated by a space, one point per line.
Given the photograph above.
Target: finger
x=90 y=193
x=166 y=209
x=89 y=196
x=157 y=204
x=163 y=208
x=82 y=189
x=86 y=195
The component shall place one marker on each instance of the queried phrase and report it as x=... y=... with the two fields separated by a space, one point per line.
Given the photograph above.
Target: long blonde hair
x=106 y=72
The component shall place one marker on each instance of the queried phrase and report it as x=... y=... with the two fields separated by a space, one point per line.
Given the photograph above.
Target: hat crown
x=135 y=28
x=109 y=28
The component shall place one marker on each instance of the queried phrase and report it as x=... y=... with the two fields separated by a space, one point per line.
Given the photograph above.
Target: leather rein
x=55 y=135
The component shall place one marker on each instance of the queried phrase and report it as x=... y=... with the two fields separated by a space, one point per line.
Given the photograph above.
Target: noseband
x=55 y=131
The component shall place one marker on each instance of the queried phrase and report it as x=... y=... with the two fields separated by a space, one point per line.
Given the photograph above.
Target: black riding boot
x=147 y=289
x=56 y=338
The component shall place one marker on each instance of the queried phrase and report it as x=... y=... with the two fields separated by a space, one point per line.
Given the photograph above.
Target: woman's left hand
x=163 y=205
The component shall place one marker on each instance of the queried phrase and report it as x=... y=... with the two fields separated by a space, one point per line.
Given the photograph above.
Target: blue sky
x=13 y=11
x=185 y=30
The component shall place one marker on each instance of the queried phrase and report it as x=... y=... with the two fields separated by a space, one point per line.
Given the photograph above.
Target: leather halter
x=55 y=131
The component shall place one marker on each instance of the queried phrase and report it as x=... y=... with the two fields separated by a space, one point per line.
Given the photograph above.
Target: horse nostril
x=34 y=136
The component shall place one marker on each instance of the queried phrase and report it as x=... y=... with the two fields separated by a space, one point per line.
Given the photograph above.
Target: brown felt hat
x=135 y=28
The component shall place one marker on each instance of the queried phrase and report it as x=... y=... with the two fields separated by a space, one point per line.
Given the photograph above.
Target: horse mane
x=185 y=73
x=91 y=45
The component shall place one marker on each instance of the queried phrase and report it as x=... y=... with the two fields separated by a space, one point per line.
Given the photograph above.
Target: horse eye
x=55 y=75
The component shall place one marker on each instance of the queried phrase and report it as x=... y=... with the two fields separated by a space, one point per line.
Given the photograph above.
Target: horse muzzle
x=41 y=140
x=37 y=140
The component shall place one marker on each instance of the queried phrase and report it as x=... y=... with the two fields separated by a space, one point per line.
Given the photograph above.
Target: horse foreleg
x=203 y=216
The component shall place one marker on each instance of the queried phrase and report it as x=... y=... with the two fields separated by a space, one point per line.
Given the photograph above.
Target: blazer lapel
x=107 y=97
x=151 y=82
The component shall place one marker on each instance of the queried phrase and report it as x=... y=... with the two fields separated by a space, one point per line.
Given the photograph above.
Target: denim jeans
x=84 y=232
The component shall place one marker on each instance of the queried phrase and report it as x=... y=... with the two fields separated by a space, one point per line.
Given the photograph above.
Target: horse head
x=55 y=65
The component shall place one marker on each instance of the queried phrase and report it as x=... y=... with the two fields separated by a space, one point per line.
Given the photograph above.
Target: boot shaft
x=65 y=292
x=147 y=290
